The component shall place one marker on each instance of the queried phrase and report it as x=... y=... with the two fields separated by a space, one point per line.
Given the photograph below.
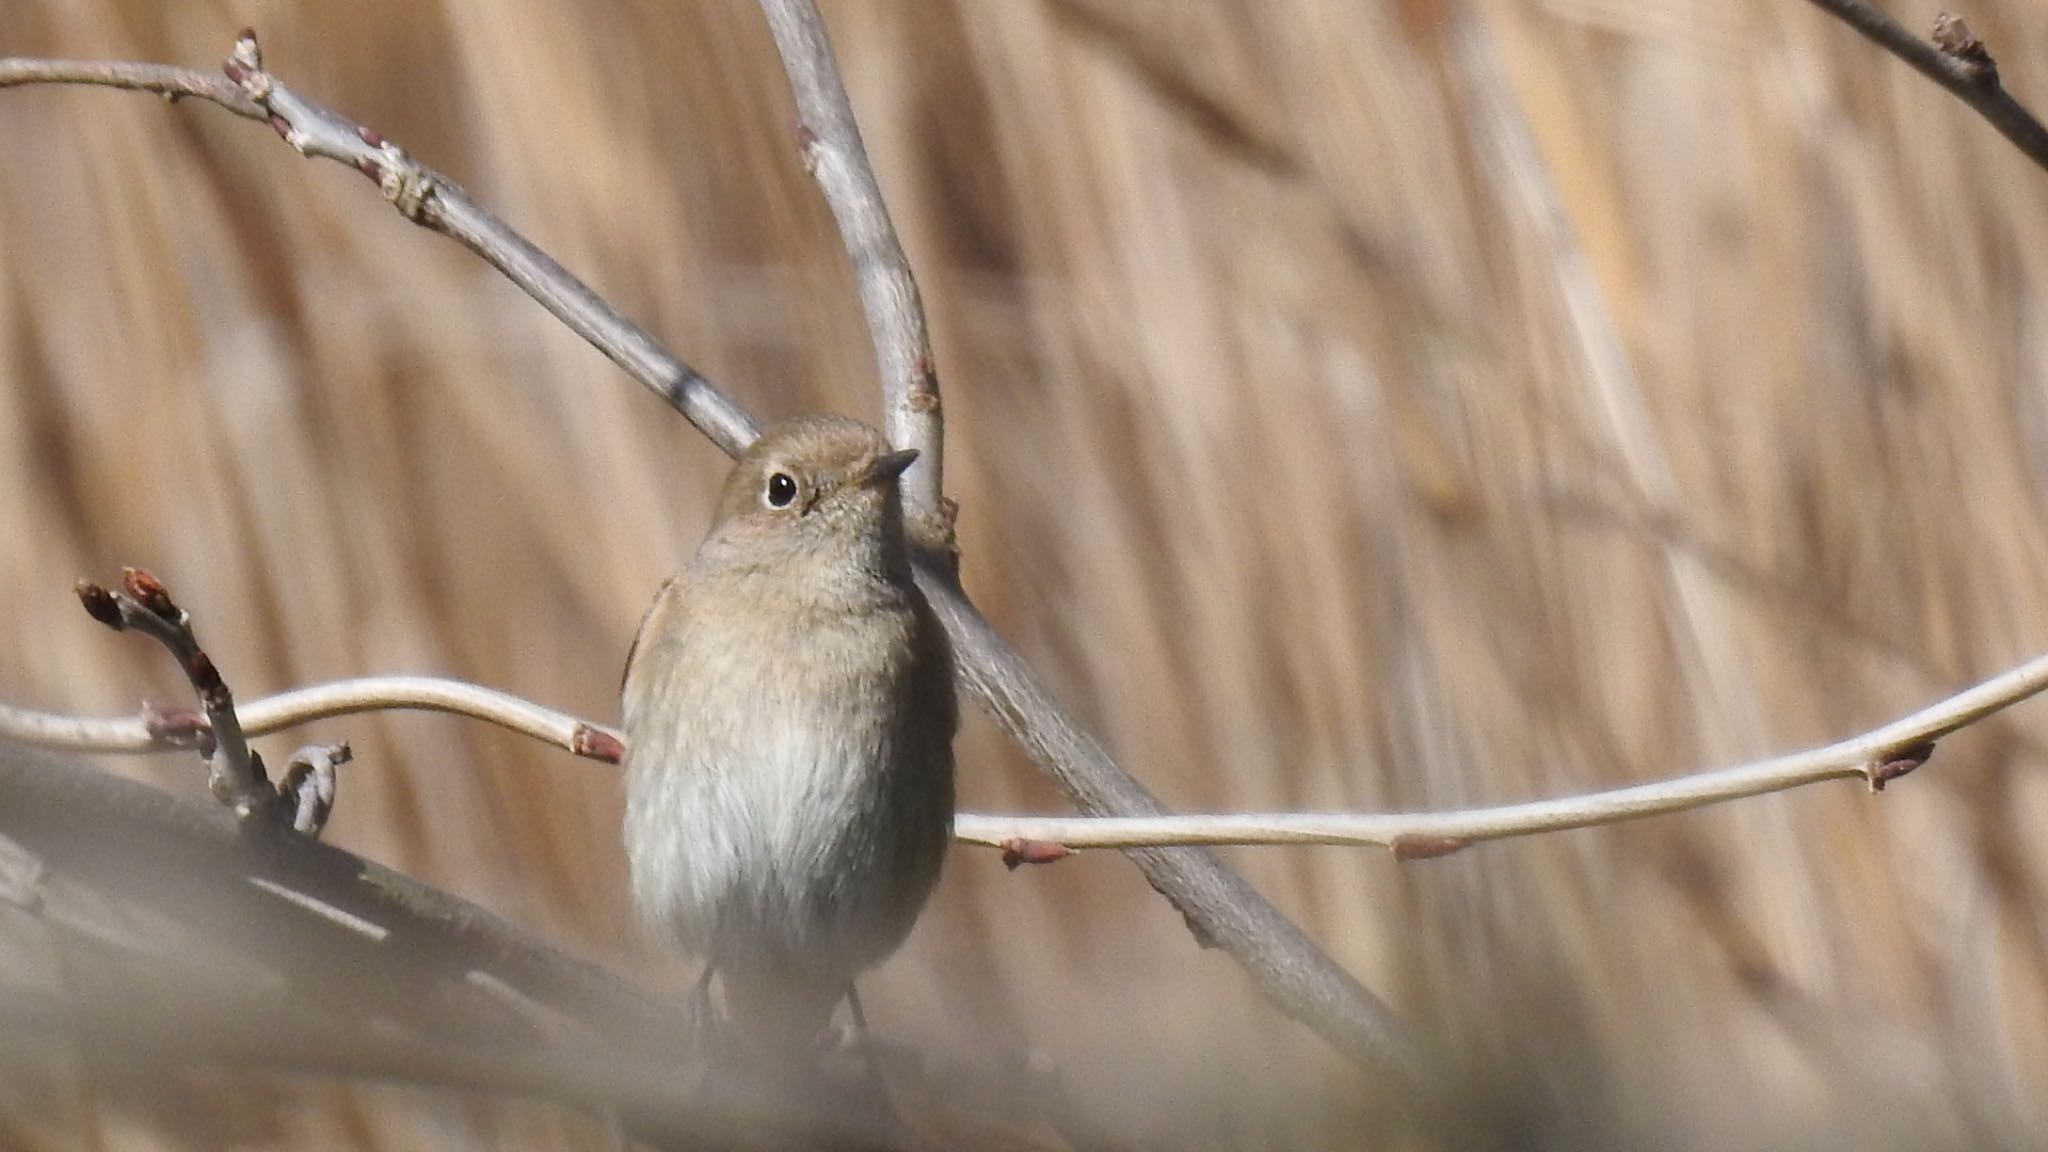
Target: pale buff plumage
x=789 y=711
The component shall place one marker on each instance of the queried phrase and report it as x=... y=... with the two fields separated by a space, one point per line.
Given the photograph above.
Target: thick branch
x=1957 y=61
x=175 y=935
x=838 y=160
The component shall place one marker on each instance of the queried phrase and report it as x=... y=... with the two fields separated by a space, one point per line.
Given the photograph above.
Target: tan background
x=1353 y=405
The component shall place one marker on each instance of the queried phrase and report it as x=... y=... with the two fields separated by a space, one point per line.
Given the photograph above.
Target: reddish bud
x=1896 y=763
x=369 y=136
x=1019 y=851
x=100 y=605
x=175 y=727
x=597 y=744
x=1412 y=846
x=149 y=592
x=204 y=676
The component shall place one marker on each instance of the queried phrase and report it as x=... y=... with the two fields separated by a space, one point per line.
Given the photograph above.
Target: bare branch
x=429 y=199
x=838 y=160
x=1957 y=61
x=1877 y=757
x=335 y=965
x=172 y=83
x=156 y=731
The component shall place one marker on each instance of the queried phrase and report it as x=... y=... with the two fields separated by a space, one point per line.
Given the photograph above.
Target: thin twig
x=838 y=160
x=149 y=733
x=1957 y=61
x=1219 y=907
x=1878 y=757
x=427 y=198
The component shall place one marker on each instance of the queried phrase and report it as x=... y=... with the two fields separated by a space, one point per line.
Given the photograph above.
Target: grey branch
x=1219 y=906
x=234 y=775
x=838 y=161
x=113 y=895
x=1956 y=60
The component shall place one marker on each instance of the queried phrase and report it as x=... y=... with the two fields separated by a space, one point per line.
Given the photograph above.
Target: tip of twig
x=596 y=744
x=1019 y=851
x=149 y=592
x=100 y=604
x=1955 y=39
x=1896 y=763
x=1416 y=846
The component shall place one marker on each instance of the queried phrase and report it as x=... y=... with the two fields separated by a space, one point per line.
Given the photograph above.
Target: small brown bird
x=789 y=714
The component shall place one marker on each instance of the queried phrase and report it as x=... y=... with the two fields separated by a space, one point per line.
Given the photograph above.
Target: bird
x=789 y=711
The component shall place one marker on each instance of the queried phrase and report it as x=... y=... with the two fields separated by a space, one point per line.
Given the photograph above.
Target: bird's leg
x=699 y=1004
x=867 y=1047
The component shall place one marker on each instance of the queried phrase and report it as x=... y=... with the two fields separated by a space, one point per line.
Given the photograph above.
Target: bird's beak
x=888 y=466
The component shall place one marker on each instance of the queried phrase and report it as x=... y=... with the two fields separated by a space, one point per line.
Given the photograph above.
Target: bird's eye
x=781 y=490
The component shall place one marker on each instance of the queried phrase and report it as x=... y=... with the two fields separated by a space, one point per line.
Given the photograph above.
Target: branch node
x=405 y=185
x=1957 y=42
x=1888 y=767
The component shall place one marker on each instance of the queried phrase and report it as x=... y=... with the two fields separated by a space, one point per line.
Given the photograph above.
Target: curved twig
x=1878 y=757
x=234 y=775
x=146 y=733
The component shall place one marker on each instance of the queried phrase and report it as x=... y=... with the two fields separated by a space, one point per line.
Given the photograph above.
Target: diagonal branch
x=838 y=161
x=1954 y=59
x=151 y=934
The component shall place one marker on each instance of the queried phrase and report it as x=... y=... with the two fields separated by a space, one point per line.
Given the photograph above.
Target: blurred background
x=1352 y=405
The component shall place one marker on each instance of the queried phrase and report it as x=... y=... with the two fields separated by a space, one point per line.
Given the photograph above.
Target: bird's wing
x=640 y=633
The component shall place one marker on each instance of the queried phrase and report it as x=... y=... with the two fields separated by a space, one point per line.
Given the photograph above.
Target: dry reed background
x=1293 y=449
